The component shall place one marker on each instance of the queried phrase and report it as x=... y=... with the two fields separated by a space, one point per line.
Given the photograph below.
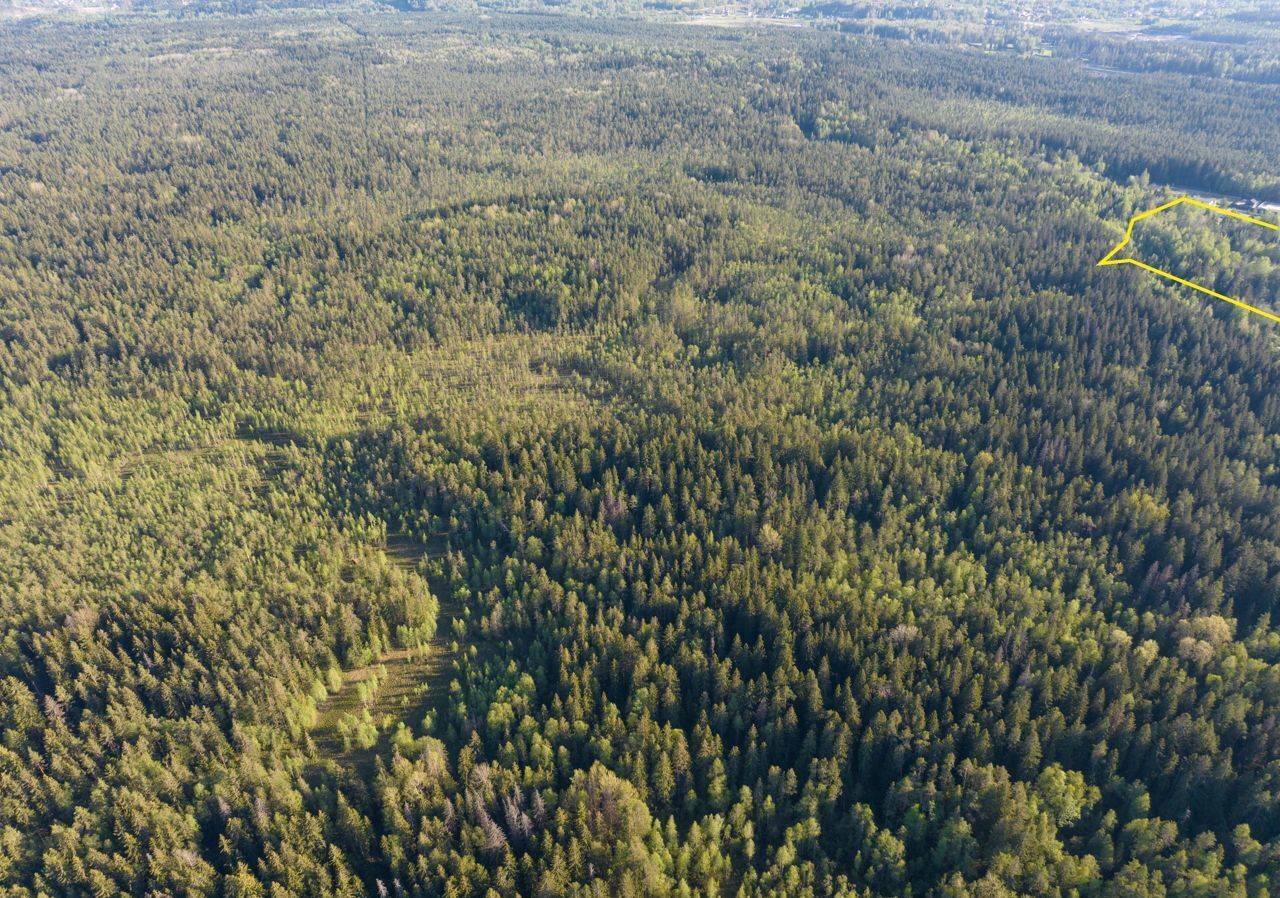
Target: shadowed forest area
x=526 y=455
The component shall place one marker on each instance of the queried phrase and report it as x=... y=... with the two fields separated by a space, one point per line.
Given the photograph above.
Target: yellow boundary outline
x=1110 y=259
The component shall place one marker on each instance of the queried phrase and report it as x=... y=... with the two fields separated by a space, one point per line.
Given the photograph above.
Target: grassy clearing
x=355 y=725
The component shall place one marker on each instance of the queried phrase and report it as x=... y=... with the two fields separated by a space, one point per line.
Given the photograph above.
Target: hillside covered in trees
x=445 y=455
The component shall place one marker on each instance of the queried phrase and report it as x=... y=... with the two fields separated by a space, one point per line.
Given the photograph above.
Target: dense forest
x=447 y=455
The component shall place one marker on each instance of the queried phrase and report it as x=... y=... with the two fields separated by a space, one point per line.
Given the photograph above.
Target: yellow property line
x=1110 y=258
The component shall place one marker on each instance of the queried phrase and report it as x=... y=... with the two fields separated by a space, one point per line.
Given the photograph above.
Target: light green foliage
x=534 y=457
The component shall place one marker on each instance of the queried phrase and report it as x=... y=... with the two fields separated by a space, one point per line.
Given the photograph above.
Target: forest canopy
x=529 y=455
